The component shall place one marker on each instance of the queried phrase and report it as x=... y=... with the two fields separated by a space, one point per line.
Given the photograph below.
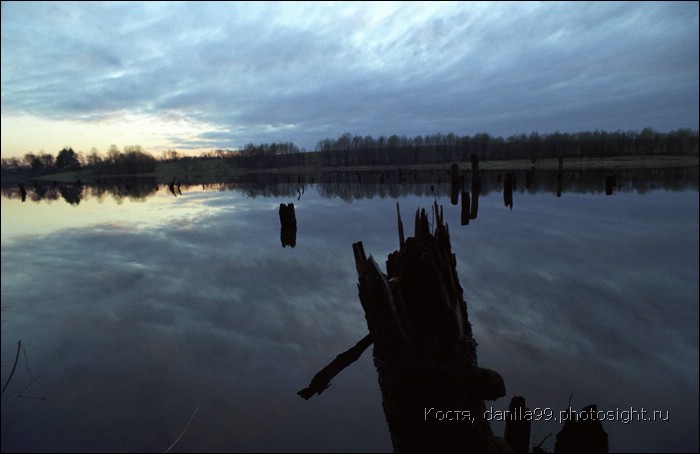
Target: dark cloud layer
x=302 y=72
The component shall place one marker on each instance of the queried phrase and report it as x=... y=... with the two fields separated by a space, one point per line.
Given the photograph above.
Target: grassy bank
x=217 y=170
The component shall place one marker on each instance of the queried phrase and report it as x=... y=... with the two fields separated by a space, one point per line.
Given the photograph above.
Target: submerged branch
x=27 y=387
x=323 y=378
x=183 y=430
x=19 y=345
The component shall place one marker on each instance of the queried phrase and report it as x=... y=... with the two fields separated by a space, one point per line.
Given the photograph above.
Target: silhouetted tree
x=132 y=161
x=67 y=159
x=34 y=162
x=93 y=158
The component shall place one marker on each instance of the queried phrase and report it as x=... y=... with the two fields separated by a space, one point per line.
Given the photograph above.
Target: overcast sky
x=200 y=76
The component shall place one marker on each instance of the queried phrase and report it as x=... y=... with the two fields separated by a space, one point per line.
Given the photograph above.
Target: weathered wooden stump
x=288 y=222
x=582 y=435
x=432 y=388
x=476 y=187
x=476 y=177
x=560 y=175
x=610 y=183
x=456 y=183
x=517 y=432
x=508 y=190
x=475 y=205
x=465 y=215
x=22 y=192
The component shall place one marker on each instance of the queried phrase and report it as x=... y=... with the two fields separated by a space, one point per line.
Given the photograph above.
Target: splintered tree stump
x=432 y=388
x=517 y=432
x=456 y=186
x=466 y=212
x=582 y=435
x=287 y=216
x=288 y=225
x=476 y=187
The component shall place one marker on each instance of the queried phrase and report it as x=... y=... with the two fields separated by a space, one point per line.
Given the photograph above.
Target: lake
x=144 y=311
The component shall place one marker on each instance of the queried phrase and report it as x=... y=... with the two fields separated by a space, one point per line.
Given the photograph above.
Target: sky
x=198 y=76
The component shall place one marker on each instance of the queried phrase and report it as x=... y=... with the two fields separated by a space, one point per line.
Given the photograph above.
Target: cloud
x=305 y=71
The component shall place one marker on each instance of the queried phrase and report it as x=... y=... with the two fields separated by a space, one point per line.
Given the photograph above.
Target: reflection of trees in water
x=589 y=181
x=395 y=183
x=438 y=183
x=44 y=192
x=132 y=188
x=398 y=183
x=71 y=193
x=388 y=183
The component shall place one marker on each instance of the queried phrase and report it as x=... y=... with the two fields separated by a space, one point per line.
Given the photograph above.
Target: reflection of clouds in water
x=218 y=318
x=135 y=330
x=593 y=309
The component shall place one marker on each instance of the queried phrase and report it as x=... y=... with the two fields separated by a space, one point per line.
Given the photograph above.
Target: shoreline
x=216 y=169
x=615 y=162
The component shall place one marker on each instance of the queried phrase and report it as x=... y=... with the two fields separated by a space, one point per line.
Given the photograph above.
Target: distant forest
x=357 y=150
x=349 y=150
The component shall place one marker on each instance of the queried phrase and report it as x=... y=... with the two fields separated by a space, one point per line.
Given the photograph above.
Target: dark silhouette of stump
x=433 y=390
x=583 y=435
x=610 y=183
x=171 y=187
x=517 y=432
x=466 y=209
x=559 y=175
x=424 y=351
x=528 y=179
x=476 y=187
x=22 y=192
x=508 y=190
x=288 y=221
x=475 y=205
x=456 y=184
x=322 y=380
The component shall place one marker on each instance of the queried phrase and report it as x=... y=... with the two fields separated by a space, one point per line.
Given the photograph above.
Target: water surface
x=134 y=312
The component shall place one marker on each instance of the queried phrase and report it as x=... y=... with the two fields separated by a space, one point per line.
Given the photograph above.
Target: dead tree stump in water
x=610 y=183
x=288 y=223
x=466 y=209
x=517 y=432
x=508 y=183
x=432 y=388
x=582 y=435
x=476 y=187
x=456 y=184
x=476 y=177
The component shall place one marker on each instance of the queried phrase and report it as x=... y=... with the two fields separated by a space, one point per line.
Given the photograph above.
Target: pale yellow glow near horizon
x=22 y=134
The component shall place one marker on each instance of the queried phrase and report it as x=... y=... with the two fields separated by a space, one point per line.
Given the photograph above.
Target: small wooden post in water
x=432 y=388
x=288 y=223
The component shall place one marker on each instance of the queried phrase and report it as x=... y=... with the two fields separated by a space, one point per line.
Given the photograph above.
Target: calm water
x=135 y=312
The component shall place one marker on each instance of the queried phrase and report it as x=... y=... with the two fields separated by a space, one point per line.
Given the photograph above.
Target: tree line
x=438 y=148
x=358 y=150
x=131 y=160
